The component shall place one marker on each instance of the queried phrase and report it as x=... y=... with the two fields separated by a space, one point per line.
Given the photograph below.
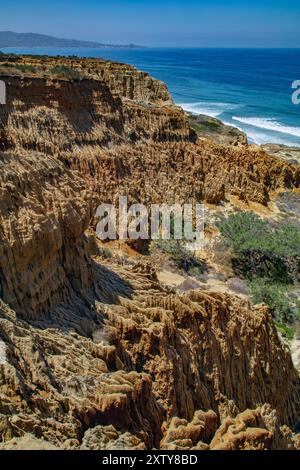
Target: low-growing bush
x=66 y=72
x=268 y=256
x=273 y=295
x=246 y=230
x=263 y=249
x=251 y=264
x=181 y=257
x=18 y=69
x=243 y=230
x=106 y=253
x=285 y=330
x=25 y=68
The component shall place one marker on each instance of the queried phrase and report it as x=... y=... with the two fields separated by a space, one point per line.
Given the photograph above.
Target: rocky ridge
x=95 y=352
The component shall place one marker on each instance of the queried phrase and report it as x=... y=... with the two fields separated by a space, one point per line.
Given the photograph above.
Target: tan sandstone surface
x=96 y=353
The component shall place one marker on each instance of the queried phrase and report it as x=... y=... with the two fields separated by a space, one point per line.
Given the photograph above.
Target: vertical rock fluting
x=153 y=356
x=96 y=355
x=199 y=350
x=44 y=212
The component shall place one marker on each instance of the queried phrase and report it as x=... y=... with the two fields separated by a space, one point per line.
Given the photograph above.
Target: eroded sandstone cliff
x=96 y=353
x=119 y=127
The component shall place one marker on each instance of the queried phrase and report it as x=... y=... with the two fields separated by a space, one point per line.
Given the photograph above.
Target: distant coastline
x=12 y=39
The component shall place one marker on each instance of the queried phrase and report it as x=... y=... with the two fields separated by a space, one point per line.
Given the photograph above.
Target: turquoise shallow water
x=248 y=88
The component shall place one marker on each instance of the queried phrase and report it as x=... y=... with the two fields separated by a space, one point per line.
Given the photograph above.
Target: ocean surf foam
x=208 y=108
x=268 y=124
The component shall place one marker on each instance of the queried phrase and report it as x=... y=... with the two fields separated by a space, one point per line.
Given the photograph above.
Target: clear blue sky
x=218 y=23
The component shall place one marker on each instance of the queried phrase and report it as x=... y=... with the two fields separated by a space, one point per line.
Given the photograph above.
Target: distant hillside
x=11 y=39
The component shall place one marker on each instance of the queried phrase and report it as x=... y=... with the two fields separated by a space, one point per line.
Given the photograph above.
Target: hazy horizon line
x=125 y=44
x=142 y=46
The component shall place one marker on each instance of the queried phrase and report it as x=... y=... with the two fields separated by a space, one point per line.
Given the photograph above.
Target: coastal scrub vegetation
x=180 y=256
x=267 y=255
x=66 y=72
x=60 y=70
x=177 y=253
x=274 y=295
x=247 y=231
x=19 y=69
x=26 y=68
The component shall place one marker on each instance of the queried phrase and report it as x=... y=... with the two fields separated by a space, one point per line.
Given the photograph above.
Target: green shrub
x=243 y=230
x=66 y=72
x=263 y=249
x=285 y=330
x=9 y=67
x=181 y=257
x=25 y=68
x=273 y=295
x=247 y=231
x=252 y=264
x=286 y=240
x=197 y=271
x=106 y=253
x=267 y=254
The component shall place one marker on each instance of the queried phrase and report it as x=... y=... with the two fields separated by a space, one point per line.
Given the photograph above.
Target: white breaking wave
x=207 y=108
x=268 y=124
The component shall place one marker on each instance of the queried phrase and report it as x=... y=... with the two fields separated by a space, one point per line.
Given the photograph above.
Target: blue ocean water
x=248 y=88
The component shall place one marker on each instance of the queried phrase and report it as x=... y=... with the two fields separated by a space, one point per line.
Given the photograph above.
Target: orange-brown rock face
x=251 y=430
x=137 y=357
x=183 y=172
x=121 y=130
x=51 y=114
x=44 y=212
x=254 y=430
x=95 y=354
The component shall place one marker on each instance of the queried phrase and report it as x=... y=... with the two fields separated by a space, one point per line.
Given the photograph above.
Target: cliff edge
x=95 y=352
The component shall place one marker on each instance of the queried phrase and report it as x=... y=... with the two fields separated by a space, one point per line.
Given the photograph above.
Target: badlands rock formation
x=94 y=352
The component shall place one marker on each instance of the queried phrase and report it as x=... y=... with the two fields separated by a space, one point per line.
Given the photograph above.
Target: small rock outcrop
x=213 y=129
